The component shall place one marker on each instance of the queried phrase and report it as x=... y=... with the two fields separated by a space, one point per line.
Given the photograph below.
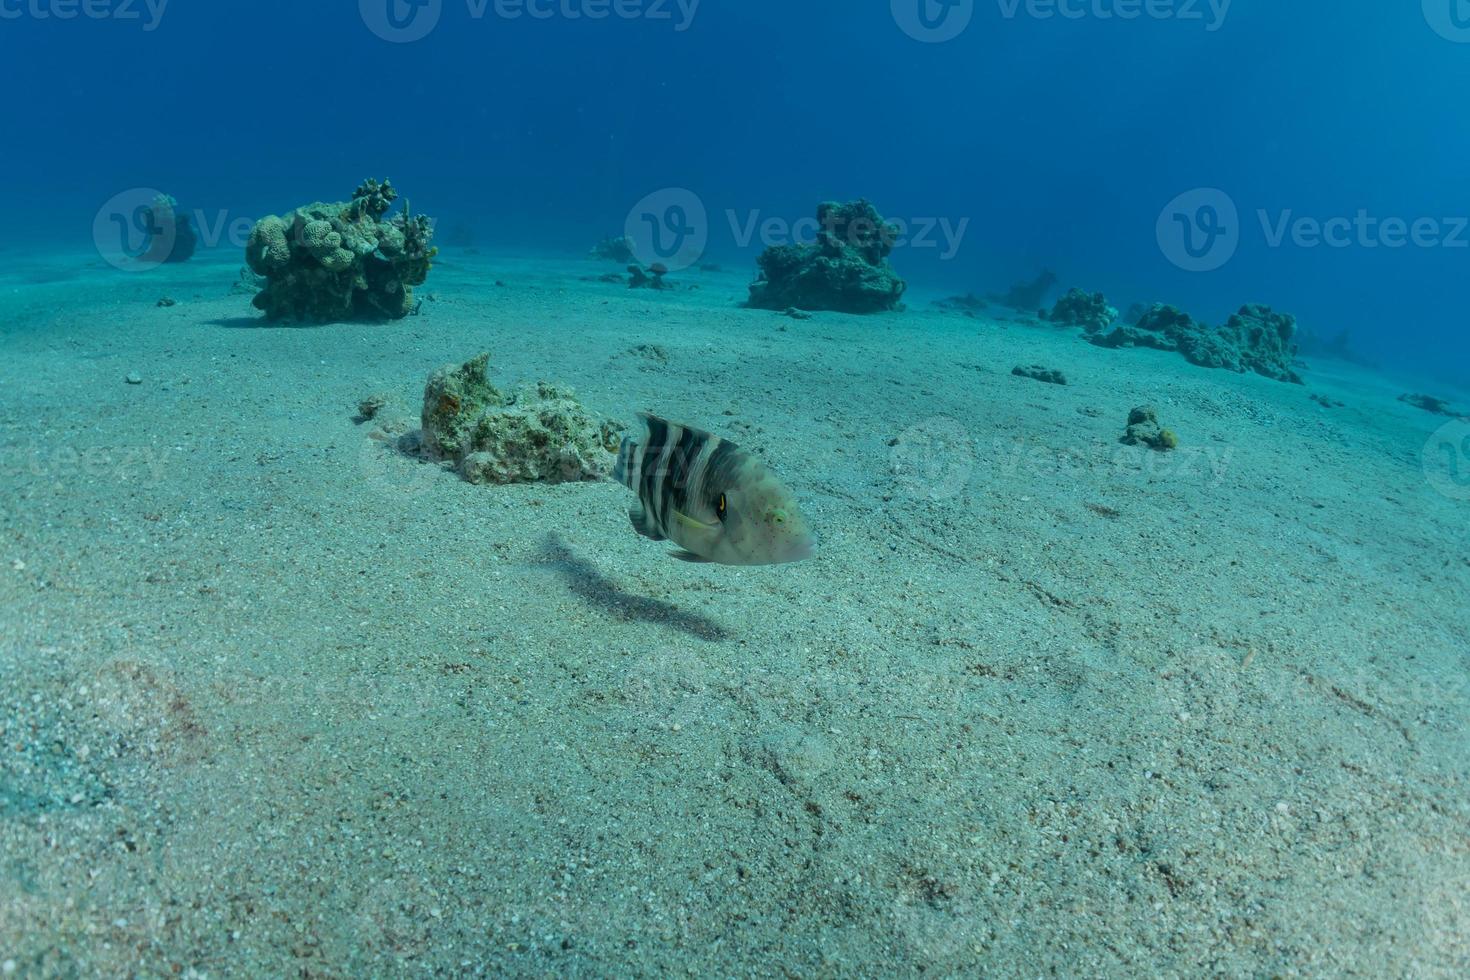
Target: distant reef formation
x=1254 y=339
x=171 y=236
x=845 y=270
x=619 y=250
x=539 y=433
x=1028 y=297
x=343 y=261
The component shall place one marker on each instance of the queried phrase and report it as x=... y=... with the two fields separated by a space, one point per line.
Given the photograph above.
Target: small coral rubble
x=343 y=261
x=1144 y=430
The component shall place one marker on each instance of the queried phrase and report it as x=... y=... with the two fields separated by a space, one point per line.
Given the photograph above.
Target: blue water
x=1050 y=140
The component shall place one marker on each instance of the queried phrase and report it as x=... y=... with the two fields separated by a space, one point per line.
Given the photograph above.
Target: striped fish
x=710 y=497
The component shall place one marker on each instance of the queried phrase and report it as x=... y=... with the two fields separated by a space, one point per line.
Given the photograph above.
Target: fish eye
x=720 y=507
x=778 y=516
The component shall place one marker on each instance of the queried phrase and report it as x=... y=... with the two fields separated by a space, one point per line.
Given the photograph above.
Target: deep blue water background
x=1059 y=140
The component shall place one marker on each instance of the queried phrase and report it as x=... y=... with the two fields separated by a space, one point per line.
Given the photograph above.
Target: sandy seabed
x=277 y=700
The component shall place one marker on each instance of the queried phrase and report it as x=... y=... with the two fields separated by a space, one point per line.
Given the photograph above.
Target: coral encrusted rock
x=1082 y=309
x=538 y=433
x=846 y=270
x=343 y=261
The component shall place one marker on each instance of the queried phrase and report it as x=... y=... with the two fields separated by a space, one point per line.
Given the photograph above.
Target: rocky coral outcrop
x=846 y=270
x=1254 y=339
x=343 y=261
x=538 y=433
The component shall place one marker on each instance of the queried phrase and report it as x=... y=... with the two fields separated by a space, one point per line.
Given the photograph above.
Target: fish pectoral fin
x=690 y=557
x=642 y=524
x=688 y=521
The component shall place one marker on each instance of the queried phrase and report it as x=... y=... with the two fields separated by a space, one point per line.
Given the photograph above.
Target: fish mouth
x=800 y=550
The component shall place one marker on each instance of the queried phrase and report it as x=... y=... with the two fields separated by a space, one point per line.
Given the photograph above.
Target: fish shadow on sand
x=598 y=590
x=252 y=323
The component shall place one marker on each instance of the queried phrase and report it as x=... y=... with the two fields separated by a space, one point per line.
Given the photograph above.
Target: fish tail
x=624 y=471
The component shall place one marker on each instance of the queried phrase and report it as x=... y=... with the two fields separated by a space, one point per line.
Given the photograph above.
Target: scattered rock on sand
x=168 y=301
x=1144 y=430
x=1039 y=373
x=134 y=378
x=538 y=433
x=1429 y=403
x=652 y=278
x=968 y=303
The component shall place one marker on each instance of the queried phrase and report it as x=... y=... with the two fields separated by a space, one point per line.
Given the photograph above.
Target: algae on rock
x=538 y=433
x=342 y=261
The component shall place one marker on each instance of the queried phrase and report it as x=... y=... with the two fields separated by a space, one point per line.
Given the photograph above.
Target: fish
x=716 y=501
